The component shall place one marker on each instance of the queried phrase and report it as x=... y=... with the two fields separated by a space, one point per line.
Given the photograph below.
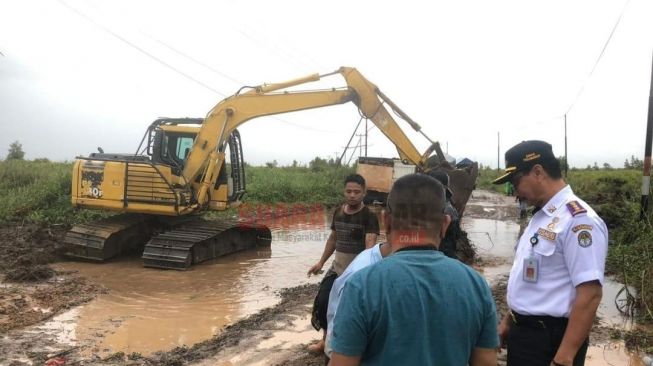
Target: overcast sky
x=75 y=75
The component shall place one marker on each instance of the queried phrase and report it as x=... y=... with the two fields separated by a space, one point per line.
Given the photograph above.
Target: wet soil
x=32 y=291
x=27 y=246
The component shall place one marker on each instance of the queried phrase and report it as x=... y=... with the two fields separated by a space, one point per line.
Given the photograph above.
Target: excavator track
x=182 y=242
x=200 y=240
x=107 y=238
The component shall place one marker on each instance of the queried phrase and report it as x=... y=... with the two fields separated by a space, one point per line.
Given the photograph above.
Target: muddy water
x=147 y=310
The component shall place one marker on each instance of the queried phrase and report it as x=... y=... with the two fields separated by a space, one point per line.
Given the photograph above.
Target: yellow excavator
x=180 y=170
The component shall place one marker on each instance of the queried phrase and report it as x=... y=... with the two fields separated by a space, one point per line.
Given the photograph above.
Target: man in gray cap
x=555 y=283
x=448 y=244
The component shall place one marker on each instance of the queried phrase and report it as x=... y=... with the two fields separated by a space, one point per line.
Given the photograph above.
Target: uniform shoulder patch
x=584 y=239
x=580 y=227
x=575 y=208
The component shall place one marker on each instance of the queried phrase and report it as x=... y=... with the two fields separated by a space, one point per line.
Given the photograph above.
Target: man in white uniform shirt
x=555 y=283
x=366 y=258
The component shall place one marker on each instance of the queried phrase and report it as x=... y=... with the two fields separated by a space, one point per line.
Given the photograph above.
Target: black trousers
x=321 y=302
x=534 y=341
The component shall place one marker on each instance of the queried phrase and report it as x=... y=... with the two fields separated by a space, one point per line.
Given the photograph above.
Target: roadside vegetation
x=39 y=191
x=319 y=182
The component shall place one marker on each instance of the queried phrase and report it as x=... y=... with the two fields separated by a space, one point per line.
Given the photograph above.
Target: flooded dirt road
x=234 y=310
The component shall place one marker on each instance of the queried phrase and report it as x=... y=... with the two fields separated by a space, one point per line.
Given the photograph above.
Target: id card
x=531 y=269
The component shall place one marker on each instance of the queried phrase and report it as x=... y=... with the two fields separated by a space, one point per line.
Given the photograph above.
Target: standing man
x=448 y=245
x=417 y=306
x=354 y=228
x=366 y=258
x=555 y=283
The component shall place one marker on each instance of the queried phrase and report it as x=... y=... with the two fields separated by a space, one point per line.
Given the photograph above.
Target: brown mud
x=31 y=292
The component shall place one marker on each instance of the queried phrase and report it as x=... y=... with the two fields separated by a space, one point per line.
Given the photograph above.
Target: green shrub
x=39 y=191
x=295 y=184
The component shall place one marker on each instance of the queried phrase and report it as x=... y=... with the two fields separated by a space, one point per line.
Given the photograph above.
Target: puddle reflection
x=147 y=309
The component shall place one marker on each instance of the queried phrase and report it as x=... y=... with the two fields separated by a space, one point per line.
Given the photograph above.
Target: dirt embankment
x=31 y=291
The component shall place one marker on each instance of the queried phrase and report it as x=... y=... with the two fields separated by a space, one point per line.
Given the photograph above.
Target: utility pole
x=360 y=145
x=498 y=153
x=566 y=158
x=646 y=176
x=349 y=142
x=365 y=137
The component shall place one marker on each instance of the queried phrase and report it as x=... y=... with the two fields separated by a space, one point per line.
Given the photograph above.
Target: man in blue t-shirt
x=416 y=307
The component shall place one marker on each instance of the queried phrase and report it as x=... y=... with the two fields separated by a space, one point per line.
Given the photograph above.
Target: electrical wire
x=208 y=67
x=598 y=59
x=141 y=50
x=126 y=41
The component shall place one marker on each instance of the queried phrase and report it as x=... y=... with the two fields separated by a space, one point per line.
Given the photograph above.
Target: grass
x=295 y=184
x=38 y=191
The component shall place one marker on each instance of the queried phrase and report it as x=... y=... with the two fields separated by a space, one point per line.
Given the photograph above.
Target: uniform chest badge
x=553 y=223
x=584 y=239
x=550 y=235
x=551 y=209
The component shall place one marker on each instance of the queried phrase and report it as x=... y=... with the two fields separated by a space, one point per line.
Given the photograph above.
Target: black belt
x=538 y=321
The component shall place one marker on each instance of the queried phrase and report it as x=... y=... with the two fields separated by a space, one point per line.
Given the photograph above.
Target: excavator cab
x=153 y=177
x=169 y=144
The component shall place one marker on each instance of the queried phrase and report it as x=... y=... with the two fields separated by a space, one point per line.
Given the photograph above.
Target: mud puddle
x=250 y=308
x=147 y=310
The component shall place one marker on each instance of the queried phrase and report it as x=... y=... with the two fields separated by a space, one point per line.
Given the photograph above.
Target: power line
x=109 y=31
x=208 y=67
x=175 y=69
x=605 y=46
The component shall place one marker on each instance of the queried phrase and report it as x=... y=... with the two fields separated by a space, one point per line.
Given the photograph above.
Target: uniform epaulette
x=575 y=208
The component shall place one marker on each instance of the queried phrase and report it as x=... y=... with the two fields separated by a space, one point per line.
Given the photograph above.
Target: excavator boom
x=265 y=100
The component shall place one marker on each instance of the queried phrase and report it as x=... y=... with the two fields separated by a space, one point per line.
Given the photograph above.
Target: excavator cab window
x=172 y=149
x=183 y=146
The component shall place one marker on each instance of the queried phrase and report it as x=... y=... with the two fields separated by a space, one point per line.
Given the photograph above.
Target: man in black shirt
x=354 y=228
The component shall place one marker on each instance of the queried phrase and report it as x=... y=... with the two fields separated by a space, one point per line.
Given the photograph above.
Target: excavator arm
x=207 y=154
